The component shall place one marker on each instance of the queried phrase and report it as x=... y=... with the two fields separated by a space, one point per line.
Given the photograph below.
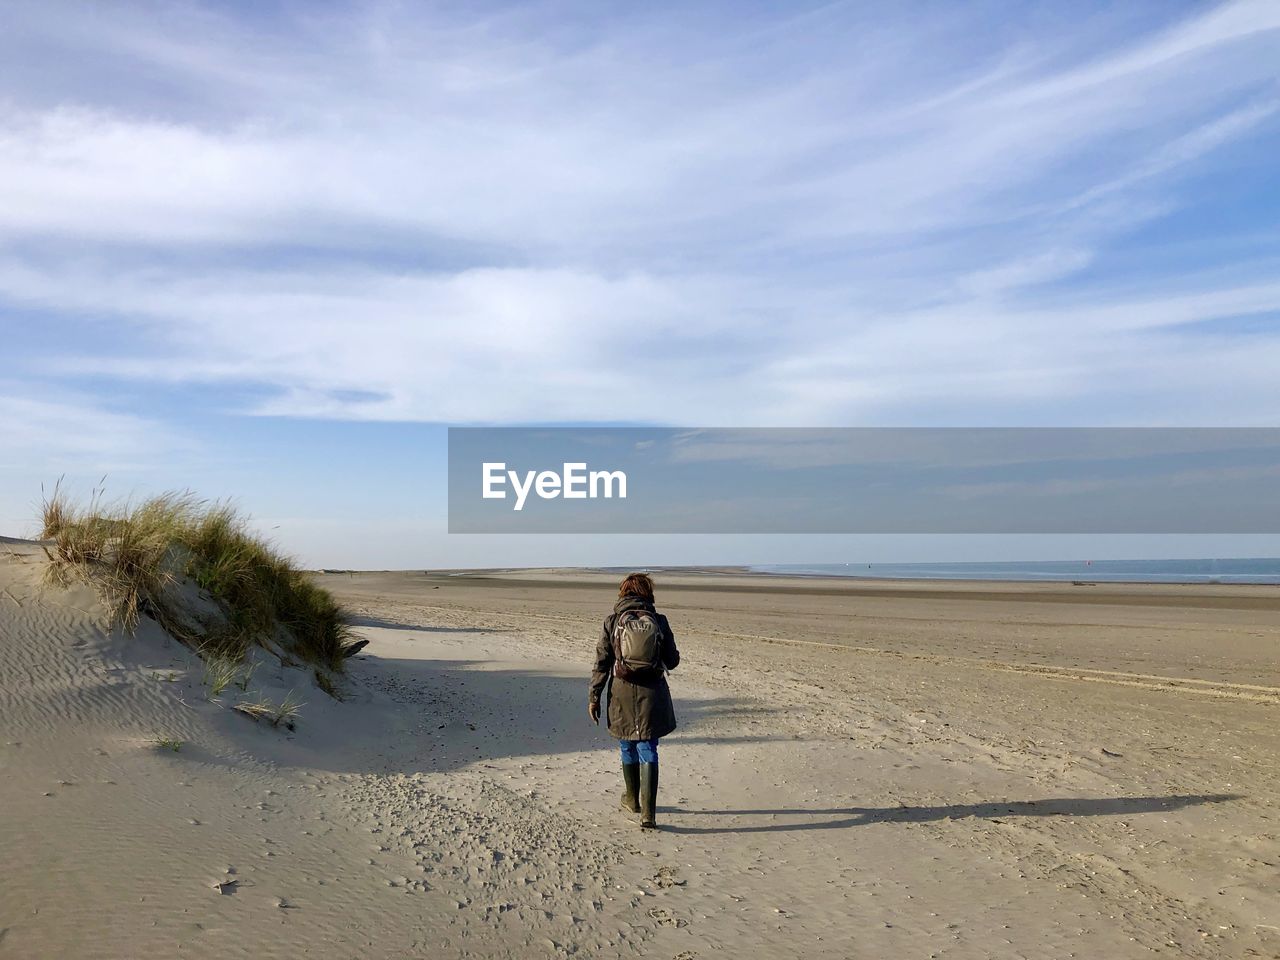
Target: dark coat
x=638 y=710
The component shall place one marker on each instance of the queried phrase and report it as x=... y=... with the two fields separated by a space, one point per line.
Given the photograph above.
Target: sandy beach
x=885 y=769
x=361 y=360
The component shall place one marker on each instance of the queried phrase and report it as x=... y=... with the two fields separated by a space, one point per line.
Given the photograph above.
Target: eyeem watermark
x=574 y=482
x=1067 y=480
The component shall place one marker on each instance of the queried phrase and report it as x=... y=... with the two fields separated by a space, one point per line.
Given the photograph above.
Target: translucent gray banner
x=863 y=480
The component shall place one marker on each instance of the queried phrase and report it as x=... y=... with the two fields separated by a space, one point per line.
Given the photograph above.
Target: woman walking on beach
x=635 y=650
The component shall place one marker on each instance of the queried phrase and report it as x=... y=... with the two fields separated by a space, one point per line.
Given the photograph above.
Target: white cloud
x=515 y=218
x=617 y=141
x=77 y=435
x=493 y=345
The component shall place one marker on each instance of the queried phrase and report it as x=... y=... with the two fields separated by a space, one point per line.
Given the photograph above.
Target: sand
x=862 y=770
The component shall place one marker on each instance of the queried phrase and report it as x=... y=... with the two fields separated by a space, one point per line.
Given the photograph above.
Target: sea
x=1248 y=570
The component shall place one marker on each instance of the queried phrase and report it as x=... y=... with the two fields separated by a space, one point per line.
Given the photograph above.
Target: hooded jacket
x=638 y=710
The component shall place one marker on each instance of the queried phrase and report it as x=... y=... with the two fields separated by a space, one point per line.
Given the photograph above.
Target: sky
x=269 y=252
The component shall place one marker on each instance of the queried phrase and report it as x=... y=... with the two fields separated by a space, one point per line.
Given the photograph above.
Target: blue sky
x=267 y=251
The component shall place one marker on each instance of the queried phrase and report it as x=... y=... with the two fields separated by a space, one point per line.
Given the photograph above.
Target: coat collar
x=632 y=603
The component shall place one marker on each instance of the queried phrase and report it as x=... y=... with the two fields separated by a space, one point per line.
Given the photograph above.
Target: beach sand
x=862 y=769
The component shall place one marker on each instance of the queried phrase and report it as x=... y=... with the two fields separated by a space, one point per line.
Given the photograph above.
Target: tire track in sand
x=1221 y=689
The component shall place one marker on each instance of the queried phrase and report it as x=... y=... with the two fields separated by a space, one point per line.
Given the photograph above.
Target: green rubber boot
x=648 y=795
x=631 y=787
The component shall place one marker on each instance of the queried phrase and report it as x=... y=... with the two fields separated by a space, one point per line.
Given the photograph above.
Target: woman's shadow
x=862 y=816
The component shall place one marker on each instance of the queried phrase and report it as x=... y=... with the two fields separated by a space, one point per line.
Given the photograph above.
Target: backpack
x=637 y=645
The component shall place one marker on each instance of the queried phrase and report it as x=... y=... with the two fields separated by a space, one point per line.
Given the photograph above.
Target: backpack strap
x=620 y=668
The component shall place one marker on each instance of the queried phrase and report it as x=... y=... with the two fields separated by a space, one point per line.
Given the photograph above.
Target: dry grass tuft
x=325 y=682
x=283 y=714
x=139 y=555
x=220 y=671
x=129 y=552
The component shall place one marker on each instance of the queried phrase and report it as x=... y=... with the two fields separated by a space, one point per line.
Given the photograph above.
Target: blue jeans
x=639 y=751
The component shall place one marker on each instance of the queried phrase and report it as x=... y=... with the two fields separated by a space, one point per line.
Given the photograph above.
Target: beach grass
x=282 y=714
x=220 y=671
x=142 y=555
x=326 y=683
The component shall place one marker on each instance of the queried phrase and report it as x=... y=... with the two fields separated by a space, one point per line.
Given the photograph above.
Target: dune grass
x=140 y=556
x=220 y=671
x=282 y=714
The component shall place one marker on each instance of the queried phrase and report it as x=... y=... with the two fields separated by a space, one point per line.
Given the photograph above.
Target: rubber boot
x=631 y=787
x=648 y=795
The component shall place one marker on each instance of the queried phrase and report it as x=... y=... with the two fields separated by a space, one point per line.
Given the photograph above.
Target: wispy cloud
x=78 y=435
x=845 y=216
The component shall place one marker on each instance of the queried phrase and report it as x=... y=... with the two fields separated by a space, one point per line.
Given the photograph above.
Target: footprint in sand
x=664 y=918
x=667 y=877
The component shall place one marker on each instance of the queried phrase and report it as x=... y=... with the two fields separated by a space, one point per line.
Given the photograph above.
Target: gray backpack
x=637 y=645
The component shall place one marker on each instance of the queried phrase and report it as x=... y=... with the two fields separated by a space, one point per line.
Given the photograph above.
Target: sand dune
x=932 y=772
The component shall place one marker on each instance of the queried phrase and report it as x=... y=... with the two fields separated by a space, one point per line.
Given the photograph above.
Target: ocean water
x=1265 y=570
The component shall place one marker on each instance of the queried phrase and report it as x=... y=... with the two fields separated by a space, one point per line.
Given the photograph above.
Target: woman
x=634 y=653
